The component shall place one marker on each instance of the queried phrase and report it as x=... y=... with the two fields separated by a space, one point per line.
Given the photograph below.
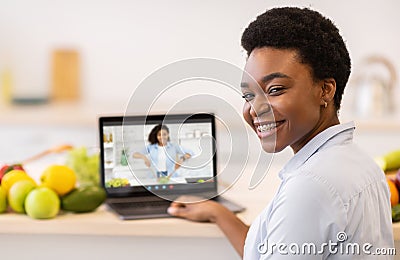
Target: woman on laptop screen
x=298 y=67
x=162 y=155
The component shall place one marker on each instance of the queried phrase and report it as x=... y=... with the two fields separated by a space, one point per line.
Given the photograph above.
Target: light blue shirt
x=329 y=187
x=173 y=151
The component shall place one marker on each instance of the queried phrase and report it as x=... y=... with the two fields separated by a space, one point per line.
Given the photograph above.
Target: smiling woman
x=286 y=94
x=330 y=191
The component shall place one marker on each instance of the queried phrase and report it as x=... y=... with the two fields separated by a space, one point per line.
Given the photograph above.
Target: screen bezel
x=179 y=189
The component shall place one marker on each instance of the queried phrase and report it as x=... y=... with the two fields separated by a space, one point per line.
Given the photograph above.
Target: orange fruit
x=60 y=178
x=394 y=193
x=14 y=176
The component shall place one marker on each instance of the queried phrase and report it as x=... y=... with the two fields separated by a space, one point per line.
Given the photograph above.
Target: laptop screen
x=172 y=154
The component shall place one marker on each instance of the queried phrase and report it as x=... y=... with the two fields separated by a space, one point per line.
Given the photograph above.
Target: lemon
x=59 y=178
x=12 y=177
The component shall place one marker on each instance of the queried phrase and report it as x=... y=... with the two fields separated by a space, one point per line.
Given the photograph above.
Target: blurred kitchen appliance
x=374 y=84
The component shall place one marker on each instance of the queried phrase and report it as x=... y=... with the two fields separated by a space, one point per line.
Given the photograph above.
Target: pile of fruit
x=390 y=163
x=117 y=182
x=57 y=191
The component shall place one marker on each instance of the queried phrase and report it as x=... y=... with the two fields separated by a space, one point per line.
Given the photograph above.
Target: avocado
x=83 y=199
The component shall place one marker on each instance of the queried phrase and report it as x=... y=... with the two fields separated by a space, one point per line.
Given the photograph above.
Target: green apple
x=3 y=200
x=42 y=203
x=18 y=193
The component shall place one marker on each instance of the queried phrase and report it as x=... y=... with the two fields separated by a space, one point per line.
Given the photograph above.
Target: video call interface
x=158 y=156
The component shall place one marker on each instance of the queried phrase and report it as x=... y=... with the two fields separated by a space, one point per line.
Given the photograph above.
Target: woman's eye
x=248 y=97
x=275 y=90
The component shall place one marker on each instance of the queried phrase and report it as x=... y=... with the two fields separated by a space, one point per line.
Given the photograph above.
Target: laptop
x=148 y=161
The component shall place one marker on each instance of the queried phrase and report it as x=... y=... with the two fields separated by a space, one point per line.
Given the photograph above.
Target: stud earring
x=325 y=104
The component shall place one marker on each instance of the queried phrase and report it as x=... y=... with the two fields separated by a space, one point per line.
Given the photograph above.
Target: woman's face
x=283 y=104
x=162 y=137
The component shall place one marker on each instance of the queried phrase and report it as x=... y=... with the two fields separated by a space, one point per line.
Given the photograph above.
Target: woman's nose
x=259 y=106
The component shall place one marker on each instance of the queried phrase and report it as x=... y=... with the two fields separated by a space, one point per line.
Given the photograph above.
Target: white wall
x=121 y=42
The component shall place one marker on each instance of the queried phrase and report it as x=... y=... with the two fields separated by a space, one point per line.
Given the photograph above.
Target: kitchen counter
x=102 y=235
x=396 y=231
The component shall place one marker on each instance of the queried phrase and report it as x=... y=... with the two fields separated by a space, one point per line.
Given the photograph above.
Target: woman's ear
x=328 y=89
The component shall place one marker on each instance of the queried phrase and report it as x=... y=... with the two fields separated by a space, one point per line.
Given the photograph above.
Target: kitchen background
x=109 y=47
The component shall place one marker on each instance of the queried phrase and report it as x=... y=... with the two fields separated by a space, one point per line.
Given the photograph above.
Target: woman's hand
x=143 y=157
x=181 y=160
x=186 y=156
x=205 y=211
x=147 y=162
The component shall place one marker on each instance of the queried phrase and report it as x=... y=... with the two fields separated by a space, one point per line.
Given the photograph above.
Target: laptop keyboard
x=130 y=205
x=134 y=210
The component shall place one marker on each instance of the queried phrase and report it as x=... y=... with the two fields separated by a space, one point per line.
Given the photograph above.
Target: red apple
x=6 y=168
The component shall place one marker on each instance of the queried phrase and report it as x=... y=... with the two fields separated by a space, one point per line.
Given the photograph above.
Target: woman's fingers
x=147 y=163
x=197 y=211
x=177 y=210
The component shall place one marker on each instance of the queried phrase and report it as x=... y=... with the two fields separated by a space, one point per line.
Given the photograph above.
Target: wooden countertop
x=396 y=231
x=104 y=222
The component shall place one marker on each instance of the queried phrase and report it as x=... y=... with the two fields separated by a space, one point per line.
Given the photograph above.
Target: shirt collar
x=333 y=135
x=168 y=145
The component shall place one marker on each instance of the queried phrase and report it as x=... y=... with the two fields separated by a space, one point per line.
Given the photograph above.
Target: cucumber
x=83 y=199
x=396 y=213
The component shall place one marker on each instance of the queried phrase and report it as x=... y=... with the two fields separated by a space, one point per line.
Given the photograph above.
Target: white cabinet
x=109 y=151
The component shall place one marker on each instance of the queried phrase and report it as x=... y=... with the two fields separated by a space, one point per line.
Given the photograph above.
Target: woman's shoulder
x=151 y=146
x=305 y=193
x=345 y=170
x=342 y=161
x=172 y=145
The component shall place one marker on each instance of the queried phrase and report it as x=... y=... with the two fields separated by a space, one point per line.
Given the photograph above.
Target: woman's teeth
x=267 y=127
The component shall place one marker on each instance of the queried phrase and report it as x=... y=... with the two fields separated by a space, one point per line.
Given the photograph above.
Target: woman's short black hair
x=153 y=133
x=315 y=38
